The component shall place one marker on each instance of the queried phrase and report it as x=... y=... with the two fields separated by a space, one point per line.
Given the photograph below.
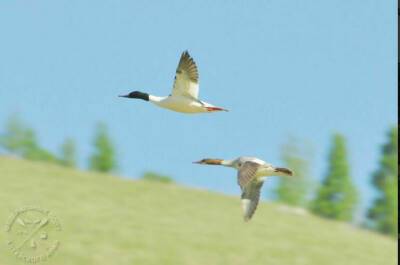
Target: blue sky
x=302 y=68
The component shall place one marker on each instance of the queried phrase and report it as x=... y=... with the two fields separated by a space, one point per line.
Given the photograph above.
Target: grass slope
x=108 y=220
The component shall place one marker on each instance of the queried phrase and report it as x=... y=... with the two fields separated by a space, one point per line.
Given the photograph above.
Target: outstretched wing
x=250 y=188
x=186 y=78
x=250 y=198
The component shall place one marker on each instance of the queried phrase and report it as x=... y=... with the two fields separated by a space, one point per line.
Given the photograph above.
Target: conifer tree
x=383 y=213
x=103 y=158
x=337 y=197
x=20 y=140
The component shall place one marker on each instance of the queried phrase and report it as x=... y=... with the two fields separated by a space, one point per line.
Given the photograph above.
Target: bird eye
x=239 y=164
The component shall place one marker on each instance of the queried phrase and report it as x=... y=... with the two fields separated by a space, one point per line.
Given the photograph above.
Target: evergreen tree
x=21 y=140
x=103 y=159
x=383 y=214
x=294 y=190
x=16 y=138
x=337 y=197
x=68 y=153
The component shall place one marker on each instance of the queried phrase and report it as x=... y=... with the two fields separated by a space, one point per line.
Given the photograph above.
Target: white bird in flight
x=184 y=96
x=251 y=175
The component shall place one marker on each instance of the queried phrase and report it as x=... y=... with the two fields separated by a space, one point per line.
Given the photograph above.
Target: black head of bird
x=137 y=94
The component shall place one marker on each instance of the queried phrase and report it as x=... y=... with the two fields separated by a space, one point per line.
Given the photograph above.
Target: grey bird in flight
x=251 y=175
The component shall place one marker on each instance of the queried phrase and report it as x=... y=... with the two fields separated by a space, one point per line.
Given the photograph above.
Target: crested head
x=137 y=94
x=209 y=161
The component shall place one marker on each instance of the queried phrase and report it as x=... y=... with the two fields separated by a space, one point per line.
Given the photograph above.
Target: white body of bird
x=182 y=104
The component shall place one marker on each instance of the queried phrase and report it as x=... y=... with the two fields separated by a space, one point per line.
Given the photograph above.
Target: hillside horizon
x=107 y=219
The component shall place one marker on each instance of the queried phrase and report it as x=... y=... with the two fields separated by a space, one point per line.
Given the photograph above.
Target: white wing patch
x=186 y=78
x=245 y=205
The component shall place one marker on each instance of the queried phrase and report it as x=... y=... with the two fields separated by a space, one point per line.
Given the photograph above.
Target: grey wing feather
x=250 y=198
x=246 y=173
x=186 y=77
x=187 y=64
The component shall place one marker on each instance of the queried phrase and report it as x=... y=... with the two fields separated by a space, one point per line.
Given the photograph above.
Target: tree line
x=21 y=140
x=335 y=197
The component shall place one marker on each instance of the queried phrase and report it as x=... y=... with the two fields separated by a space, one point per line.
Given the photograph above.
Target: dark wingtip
x=185 y=53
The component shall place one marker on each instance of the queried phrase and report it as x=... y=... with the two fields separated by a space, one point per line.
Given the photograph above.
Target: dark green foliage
x=20 y=140
x=384 y=213
x=152 y=176
x=294 y=190
x=337 y=197
x=68 y=153
x=103 y=158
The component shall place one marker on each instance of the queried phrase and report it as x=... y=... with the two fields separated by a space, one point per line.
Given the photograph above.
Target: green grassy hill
x=108 y=220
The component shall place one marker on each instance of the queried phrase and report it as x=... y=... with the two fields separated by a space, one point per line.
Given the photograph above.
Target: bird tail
x=215 y=109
